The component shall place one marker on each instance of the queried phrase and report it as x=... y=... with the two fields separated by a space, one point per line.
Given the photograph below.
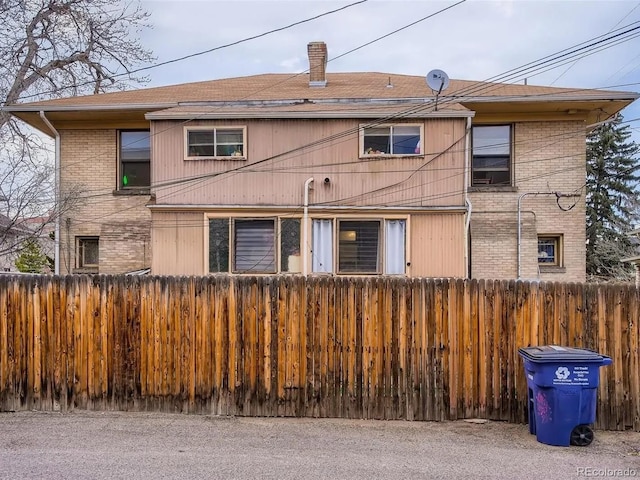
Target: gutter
x=56 y=240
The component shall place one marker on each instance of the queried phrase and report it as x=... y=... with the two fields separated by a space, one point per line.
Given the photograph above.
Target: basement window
x=391 y=140
x=215 y=143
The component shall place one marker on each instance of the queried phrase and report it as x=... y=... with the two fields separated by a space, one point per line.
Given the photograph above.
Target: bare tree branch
x=51 y=49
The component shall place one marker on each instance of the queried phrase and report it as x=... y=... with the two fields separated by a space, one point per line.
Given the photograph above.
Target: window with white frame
x=398 y=139
x=360 y=246
x=253 y=245
x=215 y=142
x=491 y=162
x=87 y=252
x=550 y=250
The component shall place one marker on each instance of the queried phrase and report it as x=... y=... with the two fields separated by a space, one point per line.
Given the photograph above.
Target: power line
x=252 y=165
x=576 y=61
x=203 y=52
x=196 y=117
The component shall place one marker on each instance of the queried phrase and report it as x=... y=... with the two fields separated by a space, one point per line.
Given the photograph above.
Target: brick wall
x=122 y=222
x=549 y=157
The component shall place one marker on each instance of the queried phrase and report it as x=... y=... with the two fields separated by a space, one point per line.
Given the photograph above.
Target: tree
x=612 y=176
x=31 y=258
x=50 y=49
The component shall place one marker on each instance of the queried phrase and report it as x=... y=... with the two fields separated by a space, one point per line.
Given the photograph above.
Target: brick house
x=333 y=173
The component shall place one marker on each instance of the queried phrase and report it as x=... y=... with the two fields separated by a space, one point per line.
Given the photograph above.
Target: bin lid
x=555 y=353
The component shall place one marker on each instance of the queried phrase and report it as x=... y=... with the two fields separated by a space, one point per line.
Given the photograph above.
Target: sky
x=475 y=40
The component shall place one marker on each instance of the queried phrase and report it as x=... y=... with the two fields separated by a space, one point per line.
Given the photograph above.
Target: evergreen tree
x=31 y=258
x=612 y=176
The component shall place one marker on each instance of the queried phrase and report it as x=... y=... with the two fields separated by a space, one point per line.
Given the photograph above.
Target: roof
x=369 y=85
x=291 y=95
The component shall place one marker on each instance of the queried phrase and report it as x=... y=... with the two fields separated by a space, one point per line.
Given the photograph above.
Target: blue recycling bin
x=562 y=384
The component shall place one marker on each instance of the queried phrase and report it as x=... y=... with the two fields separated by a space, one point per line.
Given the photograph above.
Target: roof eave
x=81 y=108
x=624 y=96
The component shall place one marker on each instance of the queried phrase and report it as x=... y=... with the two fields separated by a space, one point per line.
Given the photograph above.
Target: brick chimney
x=317 y=64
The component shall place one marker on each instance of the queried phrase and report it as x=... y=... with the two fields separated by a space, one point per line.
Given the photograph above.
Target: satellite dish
x=437 y=80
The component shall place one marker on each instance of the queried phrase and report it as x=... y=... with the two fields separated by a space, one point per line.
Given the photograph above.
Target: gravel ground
x=110 y=445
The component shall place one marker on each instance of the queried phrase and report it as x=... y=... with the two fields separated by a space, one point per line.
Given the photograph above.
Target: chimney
x=317 y=64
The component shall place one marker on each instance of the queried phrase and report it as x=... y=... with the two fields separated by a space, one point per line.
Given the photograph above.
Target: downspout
x=305 y=227
x=467 y=226
x=56 y=240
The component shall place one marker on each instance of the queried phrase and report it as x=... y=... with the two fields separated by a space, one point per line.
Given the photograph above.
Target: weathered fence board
x=386 y=348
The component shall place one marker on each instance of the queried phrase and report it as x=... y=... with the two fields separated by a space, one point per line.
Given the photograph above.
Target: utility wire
x=275 y=85
x=203 y=52
x=457 y=99
x=612 y=28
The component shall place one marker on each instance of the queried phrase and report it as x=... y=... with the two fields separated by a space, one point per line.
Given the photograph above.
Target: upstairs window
x=215 y=142
x=491 y=164
x=135 y=159
x=391 y=140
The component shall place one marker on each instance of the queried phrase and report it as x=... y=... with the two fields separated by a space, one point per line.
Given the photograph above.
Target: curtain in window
x=395 y=247
x=322 y=248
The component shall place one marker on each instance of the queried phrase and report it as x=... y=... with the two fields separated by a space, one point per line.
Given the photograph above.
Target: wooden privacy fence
x=415 y=349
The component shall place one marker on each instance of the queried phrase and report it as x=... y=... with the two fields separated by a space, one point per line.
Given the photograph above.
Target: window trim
x=559 y=249
x=382 y=243
x=379 y=251
x=80 y=264
x=277 y=218
x=363 y=154
x=214 y=128
x=510 y=170
x=119 y=186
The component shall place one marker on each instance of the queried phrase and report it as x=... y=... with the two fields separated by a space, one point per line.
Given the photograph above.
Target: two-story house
x=325 y=173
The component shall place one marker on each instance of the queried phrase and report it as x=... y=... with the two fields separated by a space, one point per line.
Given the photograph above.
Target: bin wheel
x=581 y=436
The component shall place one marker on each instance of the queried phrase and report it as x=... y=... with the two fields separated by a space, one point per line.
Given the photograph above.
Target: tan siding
x=278 y=177
x=178 y=243
x=435 y=242
x=437 y=245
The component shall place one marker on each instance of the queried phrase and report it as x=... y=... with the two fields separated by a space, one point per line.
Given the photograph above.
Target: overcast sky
x=475 y=40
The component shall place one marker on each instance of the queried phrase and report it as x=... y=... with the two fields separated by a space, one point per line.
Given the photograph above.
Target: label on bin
x=578 y=376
